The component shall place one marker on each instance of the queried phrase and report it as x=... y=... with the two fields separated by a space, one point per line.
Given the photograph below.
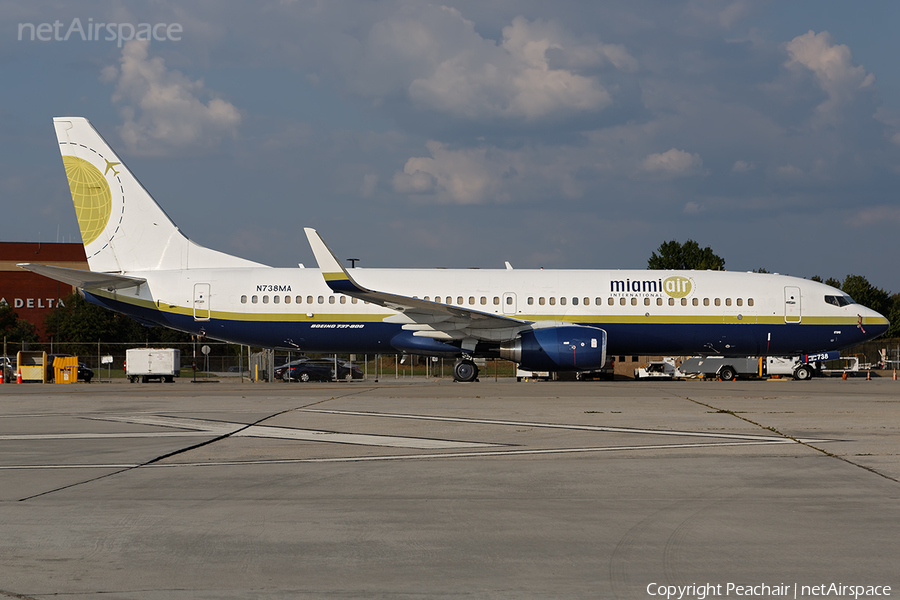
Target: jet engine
x=563 y=348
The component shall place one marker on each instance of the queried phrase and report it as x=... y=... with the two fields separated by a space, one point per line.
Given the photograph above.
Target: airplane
x=142 y=265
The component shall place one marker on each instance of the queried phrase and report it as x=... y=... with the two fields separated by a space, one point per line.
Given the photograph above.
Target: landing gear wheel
x=803 y=373
x=727 y=374
x=465 y=370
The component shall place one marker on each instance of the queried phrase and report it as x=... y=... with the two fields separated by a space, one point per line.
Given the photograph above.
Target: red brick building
x=33 y=296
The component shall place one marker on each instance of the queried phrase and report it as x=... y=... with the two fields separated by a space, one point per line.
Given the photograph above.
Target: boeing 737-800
x=557 y=320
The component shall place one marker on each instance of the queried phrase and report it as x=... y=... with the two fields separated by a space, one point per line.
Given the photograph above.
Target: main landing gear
x=465 y=370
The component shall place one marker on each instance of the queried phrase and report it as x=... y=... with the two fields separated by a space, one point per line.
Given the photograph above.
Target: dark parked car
x=310 y=370
x=282 y=370
x=317 y=369
x=85 y=373
x=345 y=369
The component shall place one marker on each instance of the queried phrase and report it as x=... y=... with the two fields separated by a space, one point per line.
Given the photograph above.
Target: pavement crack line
x=189 y=448
x=790 y=437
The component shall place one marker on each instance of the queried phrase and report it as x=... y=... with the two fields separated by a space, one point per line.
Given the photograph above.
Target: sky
x=571 y=134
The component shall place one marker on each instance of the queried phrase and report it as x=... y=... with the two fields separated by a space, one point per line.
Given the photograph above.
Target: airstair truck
x=152 y=364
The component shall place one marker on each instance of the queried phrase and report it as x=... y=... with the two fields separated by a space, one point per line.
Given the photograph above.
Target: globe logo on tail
x=91 y=196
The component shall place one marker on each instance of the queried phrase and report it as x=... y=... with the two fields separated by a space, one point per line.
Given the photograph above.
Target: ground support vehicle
x=152 y=364
x=657 y=369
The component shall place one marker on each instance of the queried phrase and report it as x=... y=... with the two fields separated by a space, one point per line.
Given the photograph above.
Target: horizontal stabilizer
x=84 y=279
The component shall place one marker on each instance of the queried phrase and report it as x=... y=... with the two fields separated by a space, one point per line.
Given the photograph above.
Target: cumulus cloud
x=162 y=109
x=673 y=163
x=742 y=166
x=436 y=57
x=832 y=65
x=452 y=176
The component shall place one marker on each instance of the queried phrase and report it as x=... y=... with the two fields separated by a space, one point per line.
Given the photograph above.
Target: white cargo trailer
x=149 y=364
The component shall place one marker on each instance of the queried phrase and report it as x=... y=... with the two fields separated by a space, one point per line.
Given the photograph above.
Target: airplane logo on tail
x=110 y=165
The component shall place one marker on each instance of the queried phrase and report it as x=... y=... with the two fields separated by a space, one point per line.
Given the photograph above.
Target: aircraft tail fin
x=122 y=226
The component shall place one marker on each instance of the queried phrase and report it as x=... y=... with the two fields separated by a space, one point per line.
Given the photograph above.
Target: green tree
x=80 y=321
x=14 y=328
x=859 y=288
x=673 y=255
x=893 y=316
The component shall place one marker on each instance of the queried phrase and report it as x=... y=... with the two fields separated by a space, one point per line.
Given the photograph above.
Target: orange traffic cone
x=19 y=376
x=895 y=374
x=844 y=376
x=868 y=375
x=1 y=374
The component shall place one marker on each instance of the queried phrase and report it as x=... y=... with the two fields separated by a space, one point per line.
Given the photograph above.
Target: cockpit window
x=839 y=300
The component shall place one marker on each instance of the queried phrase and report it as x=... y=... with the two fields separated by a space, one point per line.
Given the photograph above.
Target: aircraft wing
x=84 y=279
x=434 y=316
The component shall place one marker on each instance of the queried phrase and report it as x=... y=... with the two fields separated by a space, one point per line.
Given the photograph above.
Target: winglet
x=336 y=276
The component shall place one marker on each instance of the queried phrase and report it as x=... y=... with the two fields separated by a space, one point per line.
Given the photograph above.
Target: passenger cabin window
x=574 y=301
x=671 y=301
x=330 y=299
x=321 y=299
x=243 y=299
x=562 y=300
x=483 y=300
x=541 y=300
x=354 y=300
x=254 y=299
x=598 y=301
x=622 y=301
x=496 y=301
x=659 y=302
x=612 y=301
x=646 y=301
x=287 y=299
x=265 y=299
x=740 y=302
x=749 y=301
x=695 y=302
x=343 y=299
x=276 y=299
x=309 y=300
x=684 y=301
x=718 y=302
x=472 y=300
x=509 y=300
x=634 y=301
x=727 y=301
x=552 y=301
x=706 y=302
x=530 y=300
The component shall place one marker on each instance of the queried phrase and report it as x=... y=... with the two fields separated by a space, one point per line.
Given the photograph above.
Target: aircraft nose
x=874 y=323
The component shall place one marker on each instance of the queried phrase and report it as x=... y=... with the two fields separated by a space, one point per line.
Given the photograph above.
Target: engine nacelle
x=564 y=348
